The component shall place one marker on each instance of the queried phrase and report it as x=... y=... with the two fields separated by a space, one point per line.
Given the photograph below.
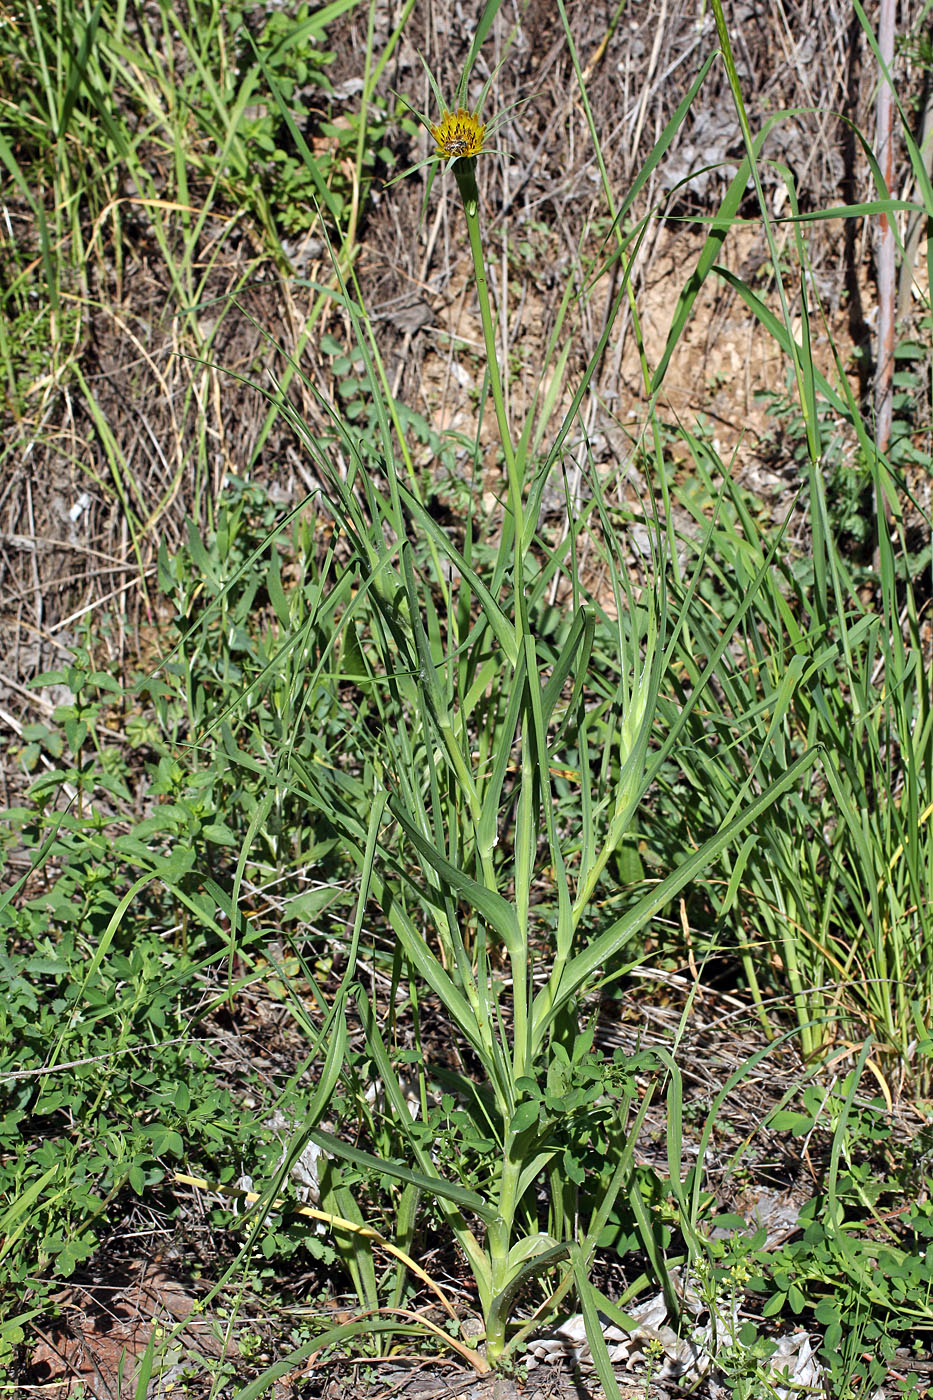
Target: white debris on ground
x=304 y=1171
x=698 y=1354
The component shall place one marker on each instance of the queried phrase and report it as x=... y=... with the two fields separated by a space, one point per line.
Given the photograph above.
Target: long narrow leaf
x=435 y=1185
x=603 y=948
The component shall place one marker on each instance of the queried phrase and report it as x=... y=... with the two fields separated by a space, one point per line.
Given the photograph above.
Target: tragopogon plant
x=511 y=754
x=488 y=760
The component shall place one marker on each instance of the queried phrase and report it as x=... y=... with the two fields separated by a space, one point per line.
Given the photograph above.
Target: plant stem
x=465 y=175
x=498 y=1240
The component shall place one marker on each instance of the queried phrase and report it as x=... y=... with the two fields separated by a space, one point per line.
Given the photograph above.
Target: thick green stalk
x=498 y=1241
x=468 y=788
x=465 y=175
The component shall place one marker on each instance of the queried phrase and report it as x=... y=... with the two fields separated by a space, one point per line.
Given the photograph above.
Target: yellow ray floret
x=459 y=134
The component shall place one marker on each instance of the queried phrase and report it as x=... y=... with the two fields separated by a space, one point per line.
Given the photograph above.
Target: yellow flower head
x=458 y=135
